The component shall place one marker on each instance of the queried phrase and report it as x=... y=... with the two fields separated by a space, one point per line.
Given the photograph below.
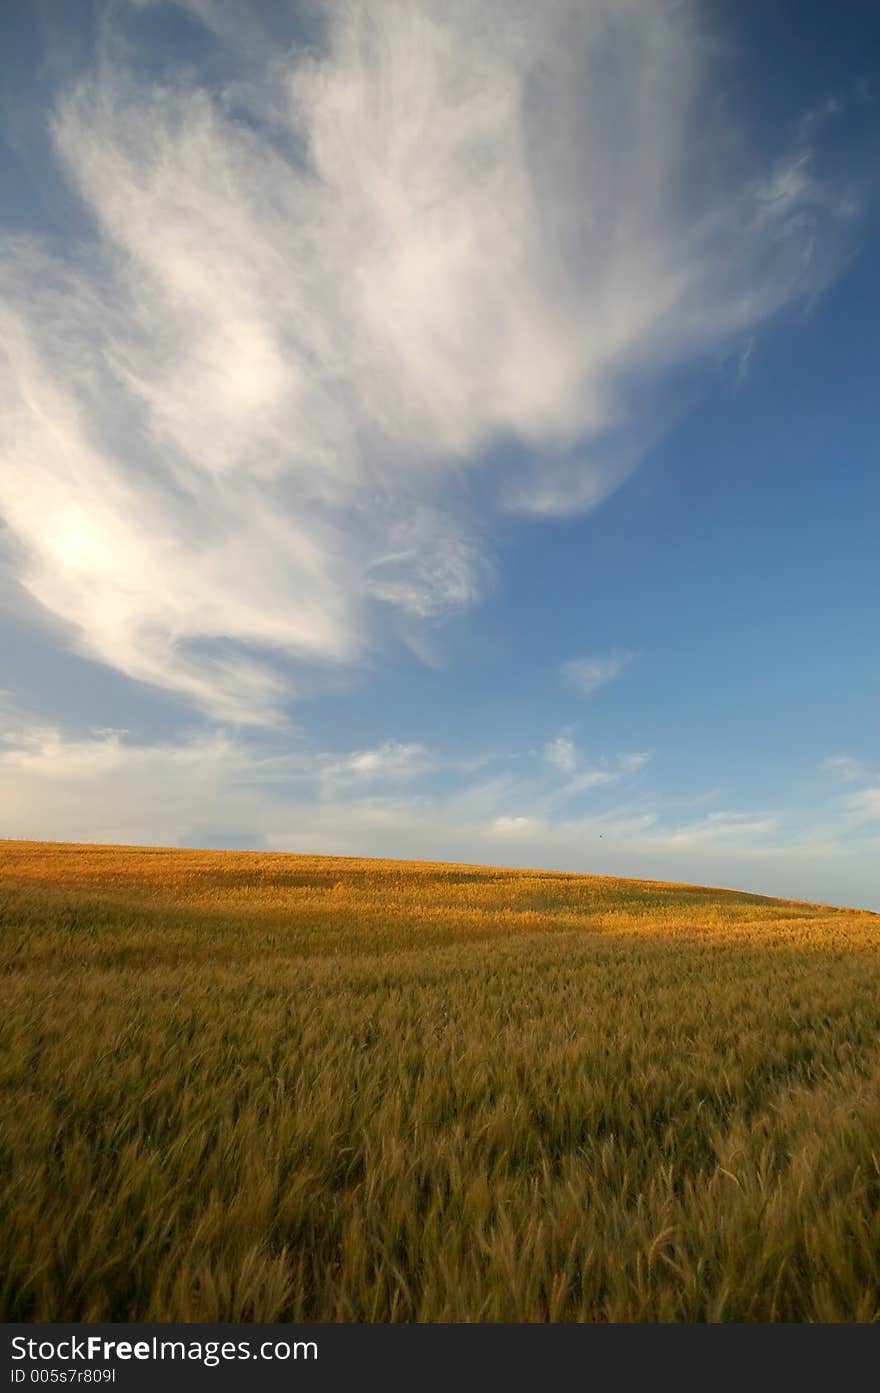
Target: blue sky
x=445 y=431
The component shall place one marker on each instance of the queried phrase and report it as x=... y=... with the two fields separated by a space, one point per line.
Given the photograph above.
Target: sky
x=445 y=430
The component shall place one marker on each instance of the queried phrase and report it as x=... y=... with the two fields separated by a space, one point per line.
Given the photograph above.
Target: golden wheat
x=239 y=1086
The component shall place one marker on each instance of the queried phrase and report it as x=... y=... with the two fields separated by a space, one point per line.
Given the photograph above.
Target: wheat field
x=246 y=1086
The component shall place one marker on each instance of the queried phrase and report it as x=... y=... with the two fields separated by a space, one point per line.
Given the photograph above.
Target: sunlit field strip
x=256 y=1086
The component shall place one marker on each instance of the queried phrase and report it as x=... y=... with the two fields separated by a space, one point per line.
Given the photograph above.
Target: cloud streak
x=845 y=768
x=561 y=753
x=587 y=675
x=251 y=412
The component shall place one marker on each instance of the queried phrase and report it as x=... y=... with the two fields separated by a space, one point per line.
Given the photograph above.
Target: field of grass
x=237 y=1086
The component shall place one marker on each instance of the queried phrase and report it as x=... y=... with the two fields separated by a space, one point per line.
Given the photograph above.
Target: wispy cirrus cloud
x=725 y=825
x=242 y=416
x=587 y=675
x=582 y=778
x=392 y=762
x=561 y=753
x=845 y=768
x=863 y=806
x=573 y=775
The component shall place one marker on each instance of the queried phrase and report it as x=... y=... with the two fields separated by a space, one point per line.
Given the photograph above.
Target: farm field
x=247 y=1086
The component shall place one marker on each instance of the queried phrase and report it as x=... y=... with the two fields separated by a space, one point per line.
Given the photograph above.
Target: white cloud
x=588 y=778
x=587 y=675
x=514 y=826
x=846 y=768
x=390 y=760
x=723 y=826
x=561 y=753
x=124 y=792
x=632 y=763
x=243 y=416
x=863 y=806
x=744 y=360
